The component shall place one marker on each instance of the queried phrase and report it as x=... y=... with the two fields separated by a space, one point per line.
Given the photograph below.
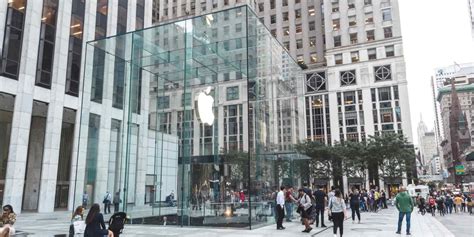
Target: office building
x=43 y=50
x=352 y=53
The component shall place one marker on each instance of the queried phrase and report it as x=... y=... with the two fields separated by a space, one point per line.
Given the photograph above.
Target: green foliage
x=389 y=154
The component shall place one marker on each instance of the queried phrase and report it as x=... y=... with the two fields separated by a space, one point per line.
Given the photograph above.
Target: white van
x=415 y=190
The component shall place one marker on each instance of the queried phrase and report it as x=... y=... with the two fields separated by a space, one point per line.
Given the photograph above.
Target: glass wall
x=211 y=109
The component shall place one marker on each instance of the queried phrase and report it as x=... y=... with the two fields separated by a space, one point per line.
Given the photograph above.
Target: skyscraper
x=352 y=52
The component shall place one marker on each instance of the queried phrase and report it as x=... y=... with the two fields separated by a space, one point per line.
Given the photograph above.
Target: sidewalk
x=383 y=223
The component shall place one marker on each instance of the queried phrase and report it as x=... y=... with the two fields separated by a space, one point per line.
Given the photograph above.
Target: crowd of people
x=312 y=206
x=444 y=203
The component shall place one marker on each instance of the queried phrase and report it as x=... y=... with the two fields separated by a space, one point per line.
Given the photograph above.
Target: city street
x=382 y=223
x=458 y=224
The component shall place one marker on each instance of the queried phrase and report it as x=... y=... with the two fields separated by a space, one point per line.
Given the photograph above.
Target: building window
x=338 y=58
x=232 y=93
x=75 y=48
x=285 y=16
x=238 y=28
x=337 y=41
x=298 y=14
x=372 y=53
x=351 y=4
x=387 y=14
x=140 y=14
x=297 y=1
x=163 y=102
x=383 y=73
x=387 y=32
x=312 y=25
x=13 y=39
x=353 y=38
x=203 y=6
x=367 y=2
x=389 y=51
x=311 y=11
x=299 y=43
x=272 y=4
x=273 y=19
x=101 y=19
x=316 y=81
x=352 y=21
x=286 y=31
x=355 y=56
x=299 y=29
x=370 y=35
x=287 y=45
x=300 y=59
x=122 y=20
x=285 y=3
x=369 y=18
x=313 y=57
x=312 y=41
x=335 y=6
x=44 y=67
x=274 y=33
x=336 y=24
x=261 y=7
x=348 y=78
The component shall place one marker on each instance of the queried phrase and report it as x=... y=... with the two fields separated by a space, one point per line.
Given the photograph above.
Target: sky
x=436 y=33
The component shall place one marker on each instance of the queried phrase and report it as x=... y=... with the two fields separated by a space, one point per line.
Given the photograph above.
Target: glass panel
x=199 y=151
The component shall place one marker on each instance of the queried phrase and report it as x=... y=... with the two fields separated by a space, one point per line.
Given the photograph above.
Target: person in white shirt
x=280 y=207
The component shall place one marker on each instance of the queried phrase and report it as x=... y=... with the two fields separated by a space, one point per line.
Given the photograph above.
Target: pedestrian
x=354 y=197
x=384 y=200
x=107 y=201
x=470 y=204
x=77 y=225
x=320 y=204
x=280 y=207
x=7 y=221
x=463 y=203
x=116 y=201
x=337 y=208
x=440 y=205
x=457 y=203
x=305 y=209
x=432 y=205
x=404 y=205
x=85 y=199
x=330 y=196
x=289 y=202
x=95 y=225
x=448 y=202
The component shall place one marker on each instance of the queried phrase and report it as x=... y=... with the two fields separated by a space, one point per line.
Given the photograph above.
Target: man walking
x=280 y=206
x=321 y=200
x=405 y=205
x=107 y=201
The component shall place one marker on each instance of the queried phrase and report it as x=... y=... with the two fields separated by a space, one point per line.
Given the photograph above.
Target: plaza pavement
x=383 y=223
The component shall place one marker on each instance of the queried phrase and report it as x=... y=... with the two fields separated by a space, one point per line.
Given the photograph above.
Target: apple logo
x=204 y=104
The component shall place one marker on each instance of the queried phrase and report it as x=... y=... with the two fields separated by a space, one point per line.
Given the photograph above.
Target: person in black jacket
x=95 y=225
x=354 y=198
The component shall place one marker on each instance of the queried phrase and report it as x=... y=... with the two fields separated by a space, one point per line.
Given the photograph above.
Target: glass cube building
x=192 y=122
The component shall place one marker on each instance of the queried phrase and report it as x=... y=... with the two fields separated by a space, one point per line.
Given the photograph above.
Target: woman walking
x=337 y=208
x=305 y=208
x=354 y=197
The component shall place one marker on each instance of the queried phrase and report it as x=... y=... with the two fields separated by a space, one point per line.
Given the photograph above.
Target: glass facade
x=199 y=136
